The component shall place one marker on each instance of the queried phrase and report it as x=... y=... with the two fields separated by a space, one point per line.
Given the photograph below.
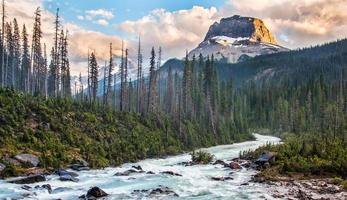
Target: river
x=195 y=182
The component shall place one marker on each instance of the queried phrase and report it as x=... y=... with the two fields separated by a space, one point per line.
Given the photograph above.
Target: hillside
x=59 y=131
x=293 y=66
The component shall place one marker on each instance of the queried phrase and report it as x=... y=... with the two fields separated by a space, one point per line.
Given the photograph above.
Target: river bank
x=155 y=179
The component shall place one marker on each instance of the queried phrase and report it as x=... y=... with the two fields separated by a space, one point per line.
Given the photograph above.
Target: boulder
x=137 y=167
x=80 y=165
x=162 y=191
x=68 y=177
x=96 y=193
x=47 y=187
x=28 y=159
x=221 y=178
x=2 y=167
x=234 y=165
x=127 y=172
x=62 y=172
x=12 y=161
x=28 y=179
x=171 y=173
x=265 y=157
x=220 y=162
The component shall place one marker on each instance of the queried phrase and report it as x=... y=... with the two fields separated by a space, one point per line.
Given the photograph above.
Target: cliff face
x=241 y=27
x=238 y=37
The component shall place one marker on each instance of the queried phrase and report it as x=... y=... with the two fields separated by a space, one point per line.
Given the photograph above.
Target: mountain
x=293 y=67
x=237 y=38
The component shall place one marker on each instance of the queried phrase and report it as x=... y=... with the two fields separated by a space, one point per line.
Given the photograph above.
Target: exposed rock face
x=2 y=167
x=28 y=179
x=29 y=159
x=241 y=27
x=236 y=38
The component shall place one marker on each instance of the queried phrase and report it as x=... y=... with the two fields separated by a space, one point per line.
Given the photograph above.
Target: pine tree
x=17 y=54
x=25 y=63
x=152 y=96
x=109 y=77
x=9 y=67
x=36 y=52
x=187 y=88
x=3 y=77
x=94 y=71
x=139 y=79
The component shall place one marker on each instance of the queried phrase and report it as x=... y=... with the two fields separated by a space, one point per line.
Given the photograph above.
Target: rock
x=170 y=173
x=26 y=187
x=150 y=172
x=258 y=179
x=243 y=184
x=127 y=172
x=186 y=163
x=163 y=191
x=12 y=161
x=265 y=157
x=80 y=165
x=68 y=177
x=61 y=189
x=234 y=165
x=47 y=187
x=221 y=178
x=28 y=179
x=220 y=162
x=2 y=167
x=138 y=167
x=61 y=172
x=302 y=195
x=28 y=159
x=96 y=193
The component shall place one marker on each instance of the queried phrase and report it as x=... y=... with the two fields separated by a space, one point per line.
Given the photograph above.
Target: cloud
x=100 y=13
x=297 y=23
x=174 y=31
x=102 y=22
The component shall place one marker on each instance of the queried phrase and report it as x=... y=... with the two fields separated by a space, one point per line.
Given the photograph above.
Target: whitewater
x=195 y=182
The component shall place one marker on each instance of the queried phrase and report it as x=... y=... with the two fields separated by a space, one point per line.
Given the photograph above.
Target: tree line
x=24 y=61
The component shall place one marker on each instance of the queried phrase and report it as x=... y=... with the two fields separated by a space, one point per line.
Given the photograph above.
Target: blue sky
x=121 y=9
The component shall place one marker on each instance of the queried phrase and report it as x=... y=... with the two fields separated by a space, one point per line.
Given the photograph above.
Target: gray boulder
x=28 y=179
x=68 y=177
x=28 y=159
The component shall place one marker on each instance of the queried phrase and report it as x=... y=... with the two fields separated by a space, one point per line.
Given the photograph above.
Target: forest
x=203 y=102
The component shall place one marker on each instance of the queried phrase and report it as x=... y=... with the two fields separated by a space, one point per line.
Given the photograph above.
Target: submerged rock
x=68 y=177
x=220 y=162
x=28 y=179
x=93 y=193
x=171 y=173
x=150 y=172
x=138 y=167
x=221 y=178
x=152 y=193
x=28 y=159
x=62 y=172
x=127 y=172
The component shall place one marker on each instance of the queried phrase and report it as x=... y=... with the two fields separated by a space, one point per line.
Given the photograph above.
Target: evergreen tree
x=25 y=62
x=152 y=96
x=94 y=71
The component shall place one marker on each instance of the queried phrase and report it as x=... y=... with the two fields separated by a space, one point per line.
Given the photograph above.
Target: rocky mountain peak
x=237 y=38
x=241 y=27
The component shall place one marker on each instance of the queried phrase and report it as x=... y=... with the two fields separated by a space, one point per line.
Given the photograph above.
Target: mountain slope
x=294 y=66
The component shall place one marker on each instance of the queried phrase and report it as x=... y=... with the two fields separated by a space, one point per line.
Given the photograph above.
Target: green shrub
x=201 y=157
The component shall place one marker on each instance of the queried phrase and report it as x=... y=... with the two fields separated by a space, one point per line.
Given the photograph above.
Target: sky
x=176 y=25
